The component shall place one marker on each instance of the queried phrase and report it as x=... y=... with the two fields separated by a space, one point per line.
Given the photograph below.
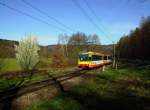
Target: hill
x=7 y=49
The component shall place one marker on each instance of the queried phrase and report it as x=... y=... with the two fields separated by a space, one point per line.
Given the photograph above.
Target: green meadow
x=10 y=65
x=124 y=89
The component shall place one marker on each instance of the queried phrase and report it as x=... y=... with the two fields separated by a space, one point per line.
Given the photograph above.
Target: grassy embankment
x=125 y=89
x=11 y=65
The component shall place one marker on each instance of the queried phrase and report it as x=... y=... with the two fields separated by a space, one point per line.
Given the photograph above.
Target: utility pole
x=65 y=40
x=87 y=47
x=66 y=49
x=88 y=44
x=114 y=54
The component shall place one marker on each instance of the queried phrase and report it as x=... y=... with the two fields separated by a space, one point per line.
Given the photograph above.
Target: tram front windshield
x=83 y=57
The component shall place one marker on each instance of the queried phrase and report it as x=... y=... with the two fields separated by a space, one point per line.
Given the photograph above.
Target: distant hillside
x=107 y=48
x=104 y=48
x=7 y=49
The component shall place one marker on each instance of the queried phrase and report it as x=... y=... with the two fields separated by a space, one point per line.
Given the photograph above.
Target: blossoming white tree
x=27 y=53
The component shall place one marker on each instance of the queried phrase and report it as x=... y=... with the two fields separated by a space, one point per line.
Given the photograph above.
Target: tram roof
x=95 y=53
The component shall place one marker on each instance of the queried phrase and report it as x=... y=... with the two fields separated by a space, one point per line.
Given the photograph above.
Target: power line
x=92 y=21
x=93 y=12
x=47 y=15
x=114 y=46
x=35 y=18
x=89 y=18
x=91 y=9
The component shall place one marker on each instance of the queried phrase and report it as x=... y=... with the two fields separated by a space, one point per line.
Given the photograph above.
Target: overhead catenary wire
x=91 y=9
x=32 y=17
x=89 y=18
x=92 y=21
x=47 y=15
x=93 y=12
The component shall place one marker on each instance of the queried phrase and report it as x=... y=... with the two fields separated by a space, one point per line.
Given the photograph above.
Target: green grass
x=8 y=83
x=9 y=64
x=124 y=89
x=127 y=88
x=58 y=103
x=60 y=71
x=131 y=73
x=44 y=63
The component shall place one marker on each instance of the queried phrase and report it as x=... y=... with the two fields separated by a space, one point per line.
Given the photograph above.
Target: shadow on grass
x=8 y=97
x=96 y=93
x=100 y=93
x=123 y=100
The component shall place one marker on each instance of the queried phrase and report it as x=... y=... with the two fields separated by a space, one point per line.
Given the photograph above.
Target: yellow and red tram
x=91 y=60
x=107 y=59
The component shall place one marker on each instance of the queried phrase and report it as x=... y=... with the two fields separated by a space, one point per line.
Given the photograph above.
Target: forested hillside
x=136 y=45
x=7 y=48
x=77 y=42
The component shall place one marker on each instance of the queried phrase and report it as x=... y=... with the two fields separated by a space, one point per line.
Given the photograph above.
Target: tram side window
x=110 y=57
x=90 y=58
x=105 y=57
x=99 y=57
x=96 y=57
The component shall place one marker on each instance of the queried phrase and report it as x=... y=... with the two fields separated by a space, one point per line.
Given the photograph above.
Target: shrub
x=27 y=53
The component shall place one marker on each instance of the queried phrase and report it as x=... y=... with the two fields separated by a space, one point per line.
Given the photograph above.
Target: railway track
x=18 y=91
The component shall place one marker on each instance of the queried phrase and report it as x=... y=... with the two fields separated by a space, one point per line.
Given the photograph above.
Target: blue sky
x=115 y=18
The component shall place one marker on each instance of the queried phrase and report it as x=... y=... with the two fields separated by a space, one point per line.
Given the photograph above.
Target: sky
x=114 y=18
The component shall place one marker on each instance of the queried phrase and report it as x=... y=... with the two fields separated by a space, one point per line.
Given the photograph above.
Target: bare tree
x=58 y=59
x=93 y=42
x=64 y=38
